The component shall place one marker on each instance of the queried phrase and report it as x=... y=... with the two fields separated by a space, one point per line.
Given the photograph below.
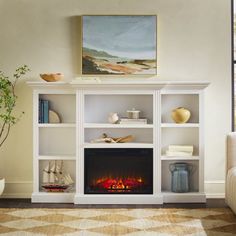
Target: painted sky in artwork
x=132 y=37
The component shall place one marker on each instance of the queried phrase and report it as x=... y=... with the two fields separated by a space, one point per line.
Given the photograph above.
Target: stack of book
x=133 y=121
x=43 y=111
x=179 y=150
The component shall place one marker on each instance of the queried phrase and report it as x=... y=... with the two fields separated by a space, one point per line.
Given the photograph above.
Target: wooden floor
x=26 y=203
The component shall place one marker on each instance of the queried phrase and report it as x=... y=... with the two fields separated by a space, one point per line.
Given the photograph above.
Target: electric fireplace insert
x=118 y=171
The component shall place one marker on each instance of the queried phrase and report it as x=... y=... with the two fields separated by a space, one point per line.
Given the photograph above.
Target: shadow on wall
x=76 y=43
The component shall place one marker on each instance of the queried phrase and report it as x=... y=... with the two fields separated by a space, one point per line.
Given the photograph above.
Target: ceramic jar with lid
x=133 y=114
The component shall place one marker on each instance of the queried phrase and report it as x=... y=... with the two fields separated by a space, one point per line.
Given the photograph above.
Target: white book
x=128 y=119
x=178 y=153
x=133 y=121
x=181 y=148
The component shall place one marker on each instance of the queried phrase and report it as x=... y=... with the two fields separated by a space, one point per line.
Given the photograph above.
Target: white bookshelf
x=190 y=133
x=54 y=142
x=83 y=109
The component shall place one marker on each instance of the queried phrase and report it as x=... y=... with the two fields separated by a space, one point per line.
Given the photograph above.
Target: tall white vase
x=2 y=185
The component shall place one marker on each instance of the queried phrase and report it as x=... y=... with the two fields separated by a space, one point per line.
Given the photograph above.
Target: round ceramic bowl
x=51 y=77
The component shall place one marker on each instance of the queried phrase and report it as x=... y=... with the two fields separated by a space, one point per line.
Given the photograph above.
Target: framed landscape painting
x=119 y=45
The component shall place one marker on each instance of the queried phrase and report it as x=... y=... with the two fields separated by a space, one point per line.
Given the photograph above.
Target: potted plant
x=7 y=104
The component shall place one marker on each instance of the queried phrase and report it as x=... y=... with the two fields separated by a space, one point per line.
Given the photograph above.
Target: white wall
x=193 y=44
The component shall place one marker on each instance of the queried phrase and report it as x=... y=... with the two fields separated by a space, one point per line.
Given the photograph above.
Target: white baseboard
x=215 y=196
x=18 y=189
x=24 y=189
x=215 y=189
x=16 y=195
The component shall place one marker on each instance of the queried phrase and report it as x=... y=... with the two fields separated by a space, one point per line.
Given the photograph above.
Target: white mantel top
x=129 y=84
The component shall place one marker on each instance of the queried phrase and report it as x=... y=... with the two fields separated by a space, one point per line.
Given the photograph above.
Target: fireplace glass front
x=118 y=171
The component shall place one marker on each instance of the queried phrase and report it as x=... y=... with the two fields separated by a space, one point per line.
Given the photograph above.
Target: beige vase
x=180 y=115
x=2 y=185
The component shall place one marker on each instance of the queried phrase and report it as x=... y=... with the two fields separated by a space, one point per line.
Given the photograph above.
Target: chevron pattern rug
x=128 y=222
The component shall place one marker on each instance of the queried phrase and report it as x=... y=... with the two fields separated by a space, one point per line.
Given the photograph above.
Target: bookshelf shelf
x=118 y=145
x=59 y=125
x=186 y=125
x=170 y=158
x=57 y=157
x=117 y=126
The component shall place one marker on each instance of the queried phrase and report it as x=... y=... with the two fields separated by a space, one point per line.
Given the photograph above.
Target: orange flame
x=119 y=184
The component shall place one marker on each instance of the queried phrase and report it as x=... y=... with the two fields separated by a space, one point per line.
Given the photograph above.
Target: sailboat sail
x=54 y=177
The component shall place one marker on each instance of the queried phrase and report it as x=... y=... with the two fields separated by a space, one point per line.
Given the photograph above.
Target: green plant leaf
x=8 y=101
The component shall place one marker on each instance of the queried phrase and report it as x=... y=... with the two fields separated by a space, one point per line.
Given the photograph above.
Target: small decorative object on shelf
x=53 y=117
x=133 y=118
x=180 y=115
x=113 y=118
x=53 y=77
x=179 y=150
x=107 y=139
x=180 y=173
x=133 y=114
x=54 y=178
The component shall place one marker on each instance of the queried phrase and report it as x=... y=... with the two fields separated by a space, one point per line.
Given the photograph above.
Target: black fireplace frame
x=139 y=152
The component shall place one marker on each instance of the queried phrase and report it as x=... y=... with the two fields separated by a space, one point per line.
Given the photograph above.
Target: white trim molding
x=24 y=189
x=215 y=188
x=18 y=189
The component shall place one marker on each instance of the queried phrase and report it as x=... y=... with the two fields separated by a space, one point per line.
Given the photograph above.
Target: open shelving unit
x=190 y=133
x=55 y=142
x=95 y=119
x=83 y=109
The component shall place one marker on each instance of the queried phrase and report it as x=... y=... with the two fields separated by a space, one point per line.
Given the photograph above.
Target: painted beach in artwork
x=121 y=45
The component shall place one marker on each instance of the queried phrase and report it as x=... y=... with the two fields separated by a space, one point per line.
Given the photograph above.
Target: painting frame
x=98 y=61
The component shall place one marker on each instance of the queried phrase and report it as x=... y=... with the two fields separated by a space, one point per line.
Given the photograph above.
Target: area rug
x=128 y=222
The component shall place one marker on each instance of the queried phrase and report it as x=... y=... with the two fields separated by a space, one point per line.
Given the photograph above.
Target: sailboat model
x=55 y=179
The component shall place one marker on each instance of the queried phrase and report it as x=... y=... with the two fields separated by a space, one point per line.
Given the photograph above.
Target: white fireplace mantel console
x=83 y=108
